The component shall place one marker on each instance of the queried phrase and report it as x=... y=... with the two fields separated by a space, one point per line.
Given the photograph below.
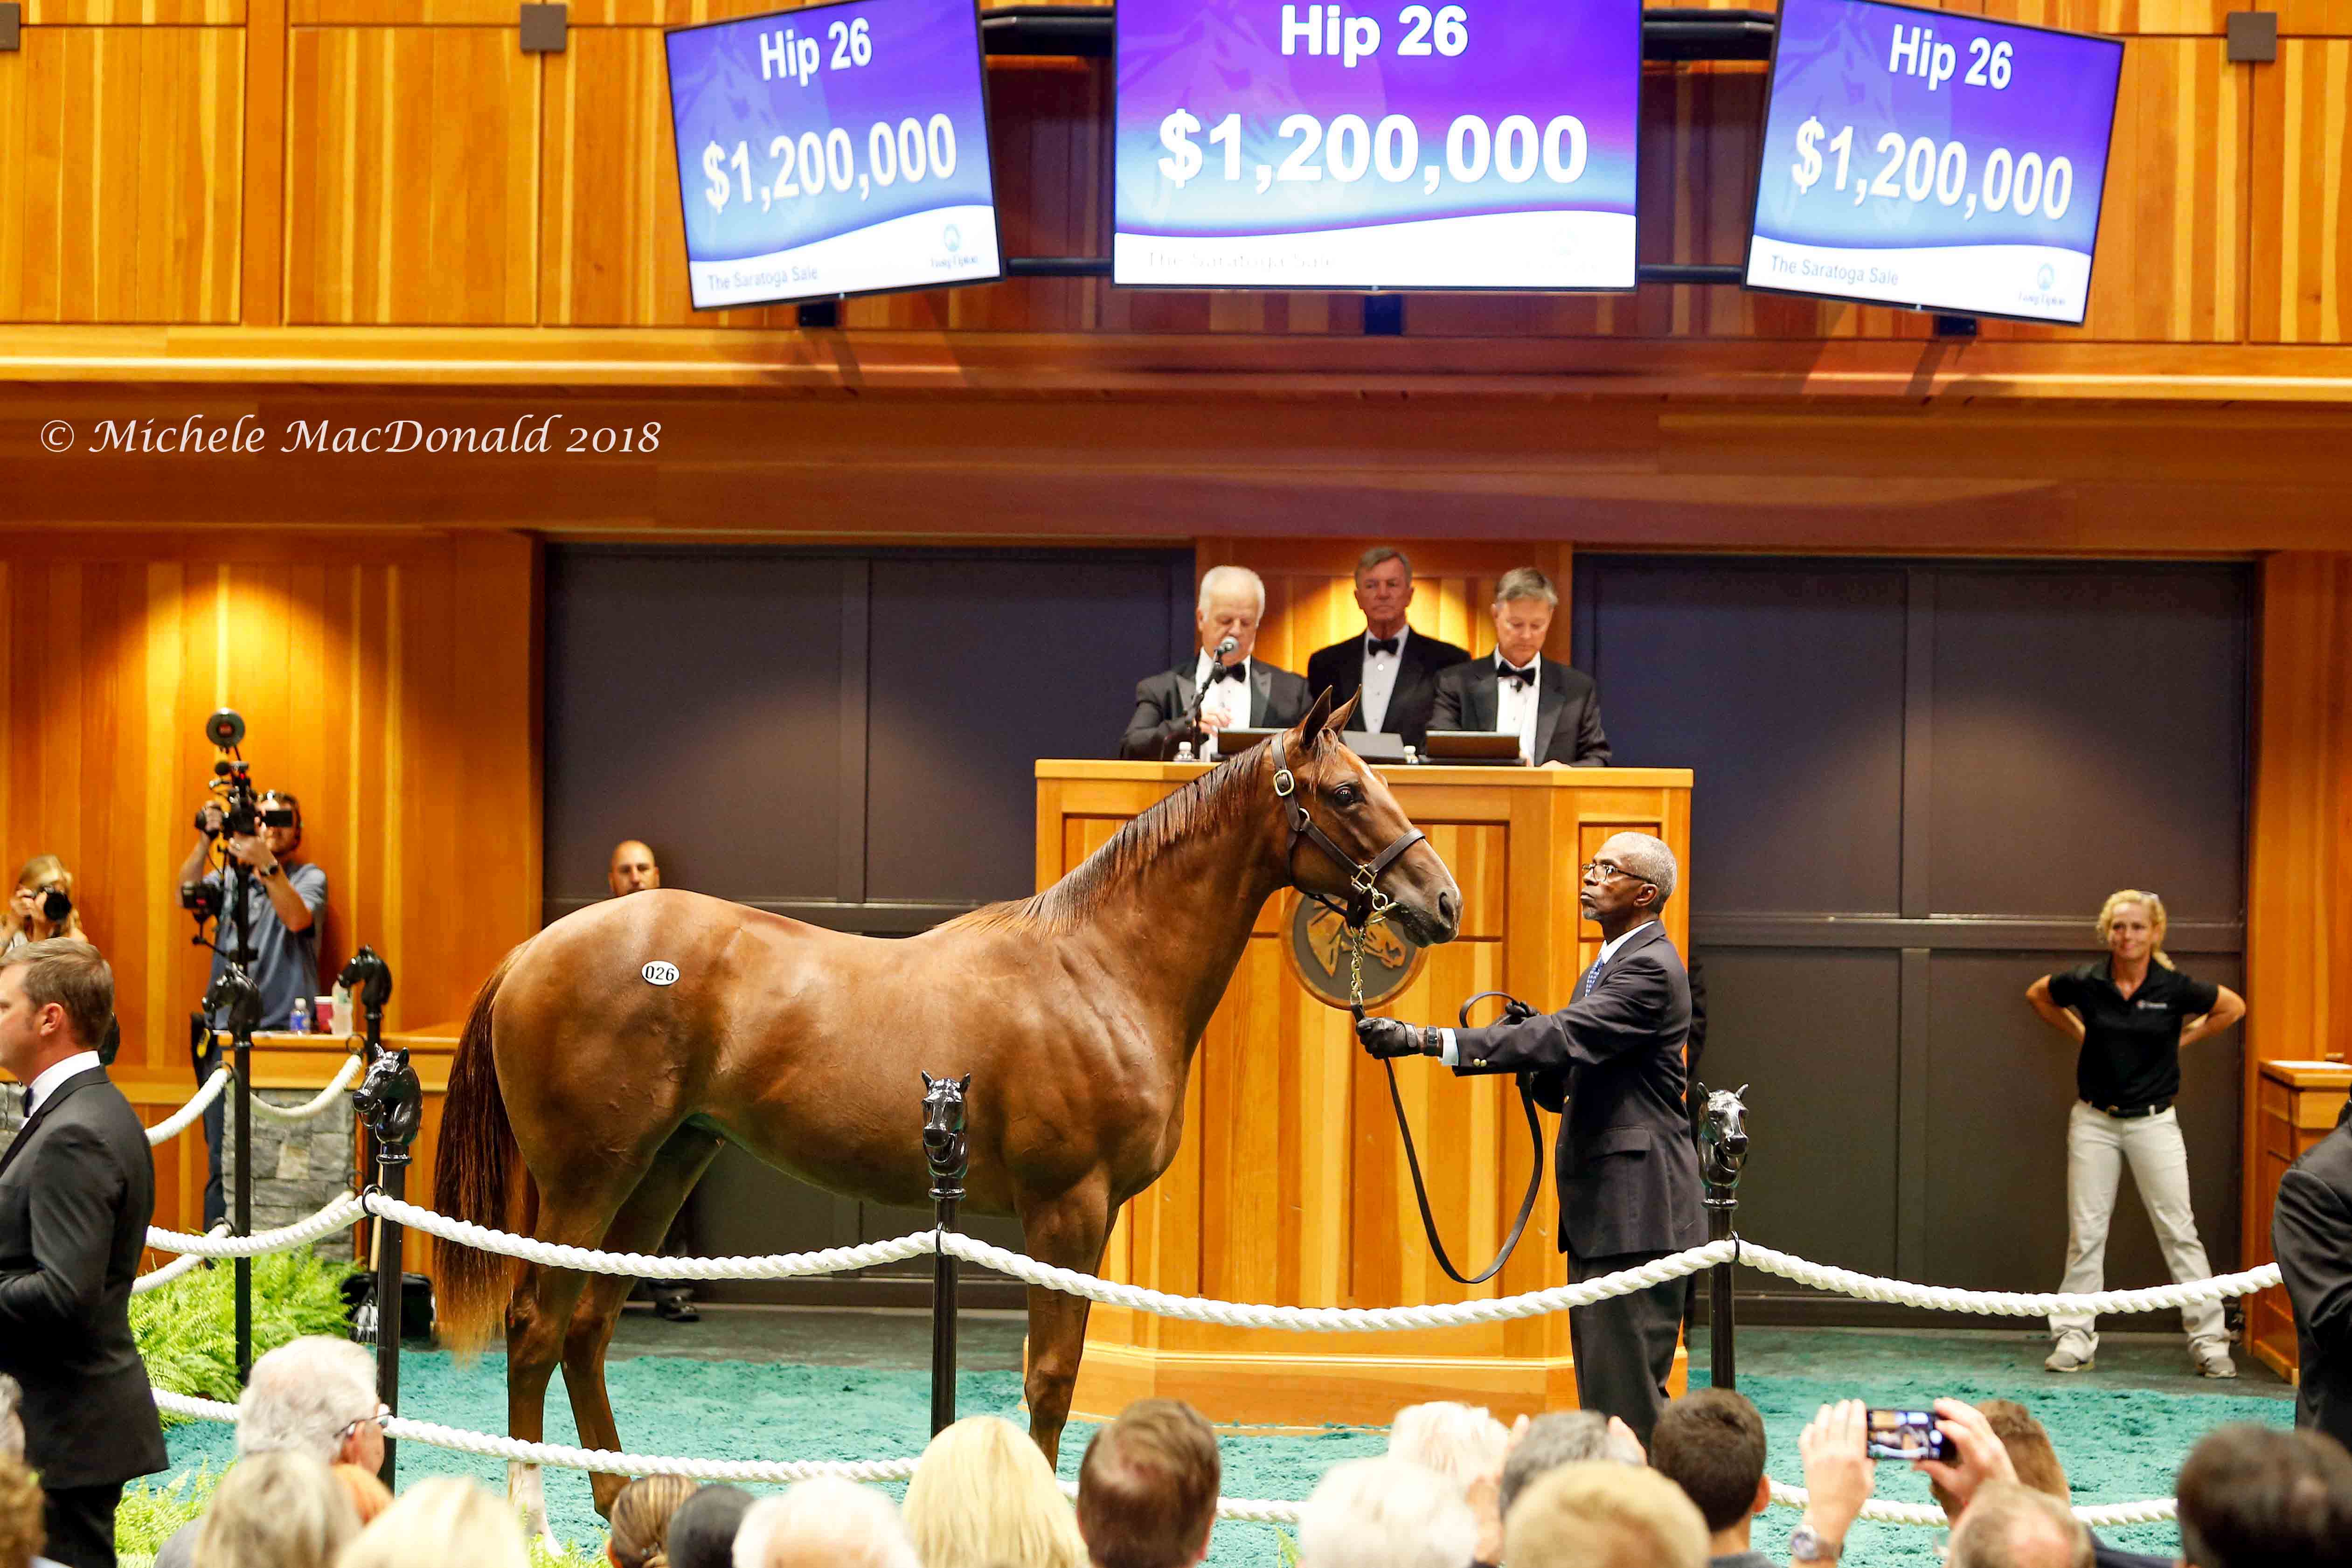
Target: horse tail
x=473 y=1172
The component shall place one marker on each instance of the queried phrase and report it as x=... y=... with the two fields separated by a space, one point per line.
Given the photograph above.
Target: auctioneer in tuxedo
x=1554 y=711
x=1392 y=668
x=77 y=1191
x=1242 y=692
x=1611 y=1063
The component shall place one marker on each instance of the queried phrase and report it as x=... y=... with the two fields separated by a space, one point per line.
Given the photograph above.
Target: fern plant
x=186 y=1329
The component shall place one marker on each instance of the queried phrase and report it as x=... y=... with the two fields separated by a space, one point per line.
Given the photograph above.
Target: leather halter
x=1364 y=898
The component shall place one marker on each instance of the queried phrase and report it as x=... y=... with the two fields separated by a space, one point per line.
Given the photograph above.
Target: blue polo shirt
x=287 y=963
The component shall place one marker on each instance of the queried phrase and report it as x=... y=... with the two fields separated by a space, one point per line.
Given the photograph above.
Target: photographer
x=286 y=899
x=42 y=906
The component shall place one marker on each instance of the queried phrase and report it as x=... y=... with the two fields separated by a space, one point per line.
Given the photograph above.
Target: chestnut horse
x=608 y=1058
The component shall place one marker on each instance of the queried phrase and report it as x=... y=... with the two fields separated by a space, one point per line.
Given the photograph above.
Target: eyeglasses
x=1606 y=869
x=383 y=1413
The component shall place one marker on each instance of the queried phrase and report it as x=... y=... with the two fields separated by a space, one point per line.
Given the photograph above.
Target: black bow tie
x=1382 y=645
x=1513 y=673
x=1227 y=672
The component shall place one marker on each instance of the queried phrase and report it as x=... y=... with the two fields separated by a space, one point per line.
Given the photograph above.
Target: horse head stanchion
x=391 y=1102
x=950 y=1158
x=1722 y=1151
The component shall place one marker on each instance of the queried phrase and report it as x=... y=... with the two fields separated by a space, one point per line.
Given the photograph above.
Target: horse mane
x=1213 y=801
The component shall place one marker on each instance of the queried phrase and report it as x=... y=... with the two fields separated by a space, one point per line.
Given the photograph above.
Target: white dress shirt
x=1230 y=700
x=47 y=1083
x=1515 y=705
x=1451 y=1058
x=1380 y=681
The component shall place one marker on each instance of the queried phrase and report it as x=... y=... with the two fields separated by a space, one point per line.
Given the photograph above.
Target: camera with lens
x=202 y=899
x=56 y=903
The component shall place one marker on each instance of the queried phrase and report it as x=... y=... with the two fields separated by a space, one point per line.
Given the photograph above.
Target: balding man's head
x=632 y=869
x=2011 y=1526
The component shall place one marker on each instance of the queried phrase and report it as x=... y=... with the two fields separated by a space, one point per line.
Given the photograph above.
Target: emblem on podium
x=1315 y=941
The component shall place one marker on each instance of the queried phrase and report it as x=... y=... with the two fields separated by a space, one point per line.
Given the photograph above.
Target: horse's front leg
x=1067 y=1231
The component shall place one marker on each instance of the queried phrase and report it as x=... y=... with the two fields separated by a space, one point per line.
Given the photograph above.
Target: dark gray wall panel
x=2001 y=1084
x=693 y=701
x=2090 y=734
x=1811 y=1033
x=1782 y=684
x=979 y=667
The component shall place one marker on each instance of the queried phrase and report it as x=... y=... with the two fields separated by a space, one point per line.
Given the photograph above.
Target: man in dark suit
x=1612 y=1063
x=76 y=1190
x=1555 y=710
x=1394 y=667
x=2311 y=1237
x=1241 y=693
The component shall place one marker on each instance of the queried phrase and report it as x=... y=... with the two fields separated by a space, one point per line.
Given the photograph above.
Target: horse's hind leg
x=571 y=1213
x=638 y=1227
x=1067 y=1231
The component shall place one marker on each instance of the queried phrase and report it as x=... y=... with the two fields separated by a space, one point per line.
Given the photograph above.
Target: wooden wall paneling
x=2201 y=18
x=2301 y=268
x=123 y=145
x=413 y=183
x=2298 y=933
x=262 y=216
x=2313 y=19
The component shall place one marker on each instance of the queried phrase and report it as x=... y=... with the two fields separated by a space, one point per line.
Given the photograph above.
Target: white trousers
x=2097 y=1145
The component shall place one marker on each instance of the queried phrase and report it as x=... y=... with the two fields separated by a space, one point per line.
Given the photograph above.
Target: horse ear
x=963 y=1083
x=929 y=1083
x=1316 y=715
x=1741 y=1091
x=1337 y=721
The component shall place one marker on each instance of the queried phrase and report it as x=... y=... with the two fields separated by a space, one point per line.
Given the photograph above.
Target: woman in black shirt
x=2130 y=1012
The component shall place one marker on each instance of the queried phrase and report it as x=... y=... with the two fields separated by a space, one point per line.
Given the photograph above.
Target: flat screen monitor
x=832 y=151
x=1933 y=160
x=1314 y=144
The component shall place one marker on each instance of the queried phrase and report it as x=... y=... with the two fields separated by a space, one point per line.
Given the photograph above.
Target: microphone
x=1193 y=714
x=1226 y=647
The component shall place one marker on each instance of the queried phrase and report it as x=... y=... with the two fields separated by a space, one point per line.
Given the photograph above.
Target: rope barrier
x=588 y=1260
x=2007 y=1303
x=344 y=1210
x=174 y=1269
x=316 y=1104
x=180 y=1121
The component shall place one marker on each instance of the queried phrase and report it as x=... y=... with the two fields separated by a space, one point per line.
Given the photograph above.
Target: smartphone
x=1905 y=1435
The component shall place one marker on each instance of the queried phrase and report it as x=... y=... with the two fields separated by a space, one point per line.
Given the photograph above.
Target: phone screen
x=1905 y=1435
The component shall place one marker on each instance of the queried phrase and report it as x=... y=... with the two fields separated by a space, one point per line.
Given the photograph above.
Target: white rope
x=1337 y=1320
x=2006 y=1303
x=318 y=1102
x=779 y=1266
x=2148 y=1510
x=180 y=1121
x=344 y=1210
x=174 y=1269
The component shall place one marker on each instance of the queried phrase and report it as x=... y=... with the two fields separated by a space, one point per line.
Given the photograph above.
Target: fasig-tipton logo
x=2046 y=277
x=658 y=972
x=953 y=238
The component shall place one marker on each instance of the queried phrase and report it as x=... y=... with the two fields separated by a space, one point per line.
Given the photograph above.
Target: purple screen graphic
x=1489 y=143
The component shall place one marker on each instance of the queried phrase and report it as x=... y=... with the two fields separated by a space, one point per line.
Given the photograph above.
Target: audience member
x=1711 y=1443
x=1385 y=1513
x=2009 y=1525
x=42 y=906
x=824 y=1522
x=313 y=1396
x=640 y=1514
x=445 y=1522
x=277 y=1510
x=702 y=1531
x=1603 y=1515
x=1147 y=1488
x=2250 y=1496
x=369 y=1497
x=1839 y=1478
x=982 y=1494
x=1560 y=1437
x=20 y=1516
x=2035 y=1459
x=2311 y=1237
x=1460 y=1442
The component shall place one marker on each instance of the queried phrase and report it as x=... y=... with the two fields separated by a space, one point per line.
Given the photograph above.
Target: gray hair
x=1378 y=553
x=1555 y=1438
x=1218 y=579
x=1387 y=1512
x=824 y=1520
x=2011 y=1526
x=1526 y=583
x=12 y=1425
x=1460 y=1442
x=277 y=1510
x=303 y=1395
x=1646 y=858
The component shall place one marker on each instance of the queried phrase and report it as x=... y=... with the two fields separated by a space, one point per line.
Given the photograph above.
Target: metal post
x=391 y=1102
x=943 y=1146
x=242 y=1051
x=1723 y=1147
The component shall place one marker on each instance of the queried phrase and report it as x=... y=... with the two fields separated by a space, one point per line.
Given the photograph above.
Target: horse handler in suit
x=77 y=1191
x=1242 y=692
x=1612 y=1063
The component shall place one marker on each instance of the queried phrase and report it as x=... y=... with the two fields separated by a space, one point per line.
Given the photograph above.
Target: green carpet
x=2120 y=1438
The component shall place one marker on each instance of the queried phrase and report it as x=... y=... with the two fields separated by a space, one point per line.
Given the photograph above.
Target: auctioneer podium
x=1290 y=1185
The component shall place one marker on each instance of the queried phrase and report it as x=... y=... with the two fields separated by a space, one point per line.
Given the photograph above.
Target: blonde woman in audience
x=26 y=918
x=369 y=1497
x=445 y=1522
x=982 y=1494
x=640 y=1520
x=277 y=1510
x=1461 y=1442
x=825 y=1523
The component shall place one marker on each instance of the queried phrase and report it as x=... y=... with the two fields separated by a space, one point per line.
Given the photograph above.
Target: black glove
x=1385 y=1037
